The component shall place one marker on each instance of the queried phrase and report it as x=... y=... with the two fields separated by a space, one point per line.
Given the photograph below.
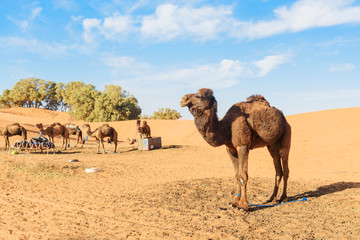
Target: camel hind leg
x=284 y=154
x=285 y=165
x=275 y=154
x=115 y=140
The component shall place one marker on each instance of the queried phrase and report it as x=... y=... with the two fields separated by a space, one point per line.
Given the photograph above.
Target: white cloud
x=225 y=74
x=302 y=15
x=89 y=24
x=36 y=47
x=24 y=24
x=115 y=27
x=35 y=13
x=269 y=63
x=170 y=21
x=120 y=62
x=125 y=65
x=65 y=4
x=342 y=67
x=221 y=75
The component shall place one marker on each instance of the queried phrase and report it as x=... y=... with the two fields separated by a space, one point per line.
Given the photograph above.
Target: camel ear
x=209 y=93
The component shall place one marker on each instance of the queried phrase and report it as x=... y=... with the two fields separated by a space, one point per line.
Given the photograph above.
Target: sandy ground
x=183 y=190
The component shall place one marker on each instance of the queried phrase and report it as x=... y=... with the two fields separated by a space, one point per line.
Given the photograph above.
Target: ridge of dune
x=333 y=129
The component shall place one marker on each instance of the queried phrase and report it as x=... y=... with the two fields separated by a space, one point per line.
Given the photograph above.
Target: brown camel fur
x=55 y=129
x=144 y=130
x=74 y=129
x=246 y=125
x=99 y=134
x=12 y=130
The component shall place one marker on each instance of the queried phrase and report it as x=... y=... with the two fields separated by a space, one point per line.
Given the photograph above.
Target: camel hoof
x=271 y=200
x=244 y=207
x=240 y=208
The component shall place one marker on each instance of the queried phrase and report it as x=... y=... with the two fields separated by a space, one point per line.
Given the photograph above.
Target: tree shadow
x=320 y=191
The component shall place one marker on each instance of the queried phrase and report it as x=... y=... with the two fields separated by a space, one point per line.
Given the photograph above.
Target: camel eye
x=198 y=96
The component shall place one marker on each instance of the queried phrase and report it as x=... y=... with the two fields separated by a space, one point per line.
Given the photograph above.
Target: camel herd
x=247 y=125
x=64 y=131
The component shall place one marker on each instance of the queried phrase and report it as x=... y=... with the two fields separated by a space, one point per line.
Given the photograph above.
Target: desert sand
x=183 y=190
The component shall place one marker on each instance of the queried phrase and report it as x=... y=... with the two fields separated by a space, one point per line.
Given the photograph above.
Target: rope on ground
x=304 y=199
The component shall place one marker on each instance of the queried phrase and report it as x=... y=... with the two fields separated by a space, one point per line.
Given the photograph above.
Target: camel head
x=198 y=102
x=86 y=128
x=39 y=126
x=186 y=100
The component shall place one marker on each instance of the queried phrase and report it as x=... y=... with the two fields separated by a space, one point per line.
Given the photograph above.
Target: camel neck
x=210 y=128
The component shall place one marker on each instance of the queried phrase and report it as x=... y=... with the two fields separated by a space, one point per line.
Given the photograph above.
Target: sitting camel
x=246 y=125
x=53 y=130
x=99 y=134
x=144 y=130
x=12 y=130
x=74 y=129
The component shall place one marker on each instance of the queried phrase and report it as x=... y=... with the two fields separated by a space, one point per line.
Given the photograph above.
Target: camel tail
x=114 y=136
x=285 y=143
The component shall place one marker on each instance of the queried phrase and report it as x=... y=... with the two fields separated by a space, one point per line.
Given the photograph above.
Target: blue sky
x=301 y=55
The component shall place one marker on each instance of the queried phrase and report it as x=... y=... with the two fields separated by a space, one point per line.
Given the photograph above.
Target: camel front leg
x=77 y=141
x=235 y=161
x=64 y=143
x=7 y=142
x=98 y=146
x=102 y=144
x=243 y=155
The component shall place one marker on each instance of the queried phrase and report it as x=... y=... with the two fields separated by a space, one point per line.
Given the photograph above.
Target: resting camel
x=246 y=125
x=12 y=130
x=74 y=129
x=144 y=130
x=53 y=130
x=99 y=134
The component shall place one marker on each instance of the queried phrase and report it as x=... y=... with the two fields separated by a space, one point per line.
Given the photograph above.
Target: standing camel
x=99 y=134
x=55 y=129
x=75 y=130
x=246 y=125
x=12 y=130
x=144 y=130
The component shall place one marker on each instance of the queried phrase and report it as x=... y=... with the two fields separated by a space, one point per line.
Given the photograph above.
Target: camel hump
x=258 y=98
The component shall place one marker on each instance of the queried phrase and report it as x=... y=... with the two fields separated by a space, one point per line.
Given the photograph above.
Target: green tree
x=114 y=104
x=5 y=99
x=48 y=90
x=28 y=92
x=167 y=113
x=59 y=96
x=80 y=98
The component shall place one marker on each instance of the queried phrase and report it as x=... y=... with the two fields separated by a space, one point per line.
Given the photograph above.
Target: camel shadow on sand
x=320 y=191
x=327 y=189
